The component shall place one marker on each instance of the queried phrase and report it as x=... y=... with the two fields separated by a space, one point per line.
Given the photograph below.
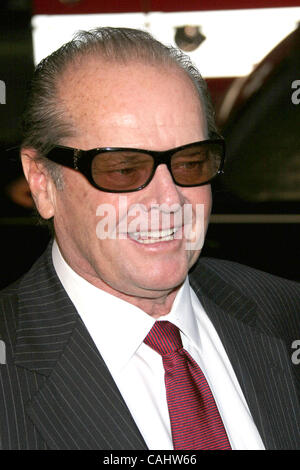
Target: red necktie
x=195 y=420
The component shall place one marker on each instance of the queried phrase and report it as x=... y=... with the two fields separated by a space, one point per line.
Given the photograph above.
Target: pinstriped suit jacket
x=57 y=393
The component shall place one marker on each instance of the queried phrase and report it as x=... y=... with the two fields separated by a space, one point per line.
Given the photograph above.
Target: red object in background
x=218 y=87
x=56 y=7
x=242 y=89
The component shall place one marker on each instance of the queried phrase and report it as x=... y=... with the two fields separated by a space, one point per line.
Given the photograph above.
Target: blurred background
x=249 y=53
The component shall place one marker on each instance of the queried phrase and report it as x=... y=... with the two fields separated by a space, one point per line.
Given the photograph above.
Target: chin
x=166 y=282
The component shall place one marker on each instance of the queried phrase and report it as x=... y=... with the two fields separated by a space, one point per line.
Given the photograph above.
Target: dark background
x=256 y=218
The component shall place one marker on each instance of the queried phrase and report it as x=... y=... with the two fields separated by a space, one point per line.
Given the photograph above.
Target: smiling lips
x=154 y=236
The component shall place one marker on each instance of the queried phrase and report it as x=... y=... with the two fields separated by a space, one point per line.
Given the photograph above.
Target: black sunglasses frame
x=81 y=160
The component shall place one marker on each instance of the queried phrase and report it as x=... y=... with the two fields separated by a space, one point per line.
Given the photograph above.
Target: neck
x=154 y=302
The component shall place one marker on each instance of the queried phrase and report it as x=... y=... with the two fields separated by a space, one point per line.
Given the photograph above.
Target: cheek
x=89 y=209
x=199 y=196
x=196 y=216
x=75 y=205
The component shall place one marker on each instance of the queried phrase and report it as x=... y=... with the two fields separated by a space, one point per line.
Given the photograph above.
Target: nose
x=162 y=189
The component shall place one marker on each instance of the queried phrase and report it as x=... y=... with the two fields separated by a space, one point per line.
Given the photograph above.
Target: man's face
x=133 y=106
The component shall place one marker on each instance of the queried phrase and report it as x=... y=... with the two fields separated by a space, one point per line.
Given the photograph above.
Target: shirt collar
x=183 y=316
x=117 y=327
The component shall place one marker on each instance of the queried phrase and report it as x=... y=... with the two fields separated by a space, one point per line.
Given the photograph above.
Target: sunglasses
x=122 y=170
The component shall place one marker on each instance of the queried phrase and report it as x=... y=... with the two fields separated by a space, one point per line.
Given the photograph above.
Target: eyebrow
x=123 y=158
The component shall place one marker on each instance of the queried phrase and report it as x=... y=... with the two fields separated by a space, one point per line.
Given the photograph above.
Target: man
x=81 y=369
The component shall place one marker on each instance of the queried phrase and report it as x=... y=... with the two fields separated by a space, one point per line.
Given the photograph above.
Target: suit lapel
x=79 y=405
x=259 y=360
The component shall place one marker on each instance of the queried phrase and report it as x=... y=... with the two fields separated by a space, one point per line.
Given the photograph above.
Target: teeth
x=154 y=236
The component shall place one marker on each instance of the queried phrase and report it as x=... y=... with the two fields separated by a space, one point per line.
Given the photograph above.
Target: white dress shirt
x=118 y=329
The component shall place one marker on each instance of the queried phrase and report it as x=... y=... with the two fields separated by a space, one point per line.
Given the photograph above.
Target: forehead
x=105 y=100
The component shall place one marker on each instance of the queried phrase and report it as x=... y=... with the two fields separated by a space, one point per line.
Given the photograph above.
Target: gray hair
x=44 y=122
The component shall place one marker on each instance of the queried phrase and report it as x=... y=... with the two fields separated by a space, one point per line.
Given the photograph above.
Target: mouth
x=155 y=236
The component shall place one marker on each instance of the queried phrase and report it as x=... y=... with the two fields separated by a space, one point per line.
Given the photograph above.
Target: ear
x=40 y=183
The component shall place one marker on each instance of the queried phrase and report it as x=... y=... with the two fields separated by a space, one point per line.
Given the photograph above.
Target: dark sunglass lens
x=197 y=164
x=121 y=170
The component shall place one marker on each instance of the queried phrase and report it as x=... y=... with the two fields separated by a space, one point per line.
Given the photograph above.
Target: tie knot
x=164 y=338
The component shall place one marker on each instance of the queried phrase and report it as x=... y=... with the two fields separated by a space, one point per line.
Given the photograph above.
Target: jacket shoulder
x=17 y=293
x=245 y=277
x=277 y=299
x=9 y=301
x=236 y=272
